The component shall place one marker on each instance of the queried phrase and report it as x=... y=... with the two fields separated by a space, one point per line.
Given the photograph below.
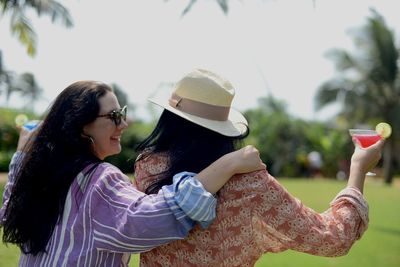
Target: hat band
x=203 y=110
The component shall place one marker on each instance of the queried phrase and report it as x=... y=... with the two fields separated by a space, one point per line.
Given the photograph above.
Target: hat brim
x=236 y=124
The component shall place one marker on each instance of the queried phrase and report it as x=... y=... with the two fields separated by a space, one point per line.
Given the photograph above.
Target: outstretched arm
x=363 y=160
x=282 y=222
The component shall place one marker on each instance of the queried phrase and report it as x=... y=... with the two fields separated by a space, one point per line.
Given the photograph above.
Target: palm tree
x=120 y=94
x=368 y=84
x=20 y=24
x=28 y=87
x=122 y=97
x=223 y=4
x=6 y=80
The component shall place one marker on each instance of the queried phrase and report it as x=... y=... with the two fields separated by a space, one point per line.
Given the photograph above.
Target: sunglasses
x=116 y=115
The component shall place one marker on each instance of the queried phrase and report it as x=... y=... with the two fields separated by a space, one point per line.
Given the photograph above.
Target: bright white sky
x=261 y=46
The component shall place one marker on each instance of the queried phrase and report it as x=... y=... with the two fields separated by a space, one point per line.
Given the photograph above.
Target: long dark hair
x=52 y=160
x=190 y=147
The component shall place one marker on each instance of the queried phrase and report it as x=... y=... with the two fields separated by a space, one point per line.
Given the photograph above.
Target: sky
x=262 y=47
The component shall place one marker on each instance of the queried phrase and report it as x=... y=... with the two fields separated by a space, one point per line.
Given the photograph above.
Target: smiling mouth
x=116 y=138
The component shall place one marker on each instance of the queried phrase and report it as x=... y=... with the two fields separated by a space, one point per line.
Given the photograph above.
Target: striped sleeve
x=127 y=220
x=15 y=161
x=192 y=198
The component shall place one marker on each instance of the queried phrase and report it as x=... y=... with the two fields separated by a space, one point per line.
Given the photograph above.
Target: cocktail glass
x=365 y=138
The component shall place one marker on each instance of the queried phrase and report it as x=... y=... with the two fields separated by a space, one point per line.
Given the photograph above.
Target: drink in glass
x=365 y=138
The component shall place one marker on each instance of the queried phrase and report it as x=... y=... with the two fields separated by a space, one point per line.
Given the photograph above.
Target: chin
x=116 y=151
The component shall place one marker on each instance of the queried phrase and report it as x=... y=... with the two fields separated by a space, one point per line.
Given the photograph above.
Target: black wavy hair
x=52 y=160
x=189 y=146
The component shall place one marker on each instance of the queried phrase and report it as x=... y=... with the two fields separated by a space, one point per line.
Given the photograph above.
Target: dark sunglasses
x=116 y=115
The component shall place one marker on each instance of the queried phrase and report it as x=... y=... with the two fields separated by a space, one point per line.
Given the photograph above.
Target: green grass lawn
x=380 y=245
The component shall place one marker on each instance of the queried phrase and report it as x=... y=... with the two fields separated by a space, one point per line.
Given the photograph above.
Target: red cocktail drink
x=367 y=140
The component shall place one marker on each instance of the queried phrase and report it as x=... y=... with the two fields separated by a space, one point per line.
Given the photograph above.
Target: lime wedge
x=383 y=129
x=21 y=119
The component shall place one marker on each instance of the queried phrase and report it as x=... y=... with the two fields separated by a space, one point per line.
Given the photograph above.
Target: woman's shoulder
x=148 y=168
x=246 y=183
x=108 y=171
x=149 y=163
x=108 y=167
x=149 y=155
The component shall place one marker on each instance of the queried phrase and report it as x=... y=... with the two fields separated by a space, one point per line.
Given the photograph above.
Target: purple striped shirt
x=105 y=219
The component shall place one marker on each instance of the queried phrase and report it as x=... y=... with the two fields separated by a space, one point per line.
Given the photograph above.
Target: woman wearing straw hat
x=255 y=214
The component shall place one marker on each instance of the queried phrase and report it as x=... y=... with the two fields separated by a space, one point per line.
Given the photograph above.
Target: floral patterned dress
x=256 y=215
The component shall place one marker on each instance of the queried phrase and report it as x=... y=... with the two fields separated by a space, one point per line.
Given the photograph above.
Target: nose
x=123 y=124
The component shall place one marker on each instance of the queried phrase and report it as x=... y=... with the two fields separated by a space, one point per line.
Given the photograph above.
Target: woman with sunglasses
x=64 y=206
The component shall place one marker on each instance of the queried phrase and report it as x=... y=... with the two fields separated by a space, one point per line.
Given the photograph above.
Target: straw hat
x=205 y=98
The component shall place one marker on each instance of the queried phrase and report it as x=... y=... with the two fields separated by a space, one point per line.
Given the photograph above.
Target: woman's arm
x=219 y=172
x=24 y=136
x=362 y=161
x=16 y=159
x=126 y=220
x=283 y=222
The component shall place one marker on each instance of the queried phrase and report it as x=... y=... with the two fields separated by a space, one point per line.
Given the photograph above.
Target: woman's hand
x=24 y=136
x=245 y=160
x=218 y=173
x=362 y=161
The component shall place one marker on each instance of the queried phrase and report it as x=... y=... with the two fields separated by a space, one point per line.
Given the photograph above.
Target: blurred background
x=305 y=71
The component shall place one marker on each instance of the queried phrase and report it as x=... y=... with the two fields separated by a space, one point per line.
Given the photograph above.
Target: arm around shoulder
x=127 y=220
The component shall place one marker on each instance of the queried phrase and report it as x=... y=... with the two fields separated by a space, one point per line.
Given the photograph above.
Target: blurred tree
x=120 y=94
x=368 y=84
x=123 y=98
x=276 y=136
x=28 y=87
x=25 y=84
x=9 y=135
x=284 y=141
x=223 y=4
x=6 y=79
x=20 y=25
x=335 y=146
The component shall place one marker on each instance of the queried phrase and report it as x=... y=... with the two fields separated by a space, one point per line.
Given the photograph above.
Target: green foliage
x=5 y=158
x=8 y=136
x=284 y=141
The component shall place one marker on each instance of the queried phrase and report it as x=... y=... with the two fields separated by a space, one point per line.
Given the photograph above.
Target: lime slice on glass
x=21 y=119
x=383 y=129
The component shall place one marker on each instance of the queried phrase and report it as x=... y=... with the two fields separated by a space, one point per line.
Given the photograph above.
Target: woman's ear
x=85 y=131
x=87 y=136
